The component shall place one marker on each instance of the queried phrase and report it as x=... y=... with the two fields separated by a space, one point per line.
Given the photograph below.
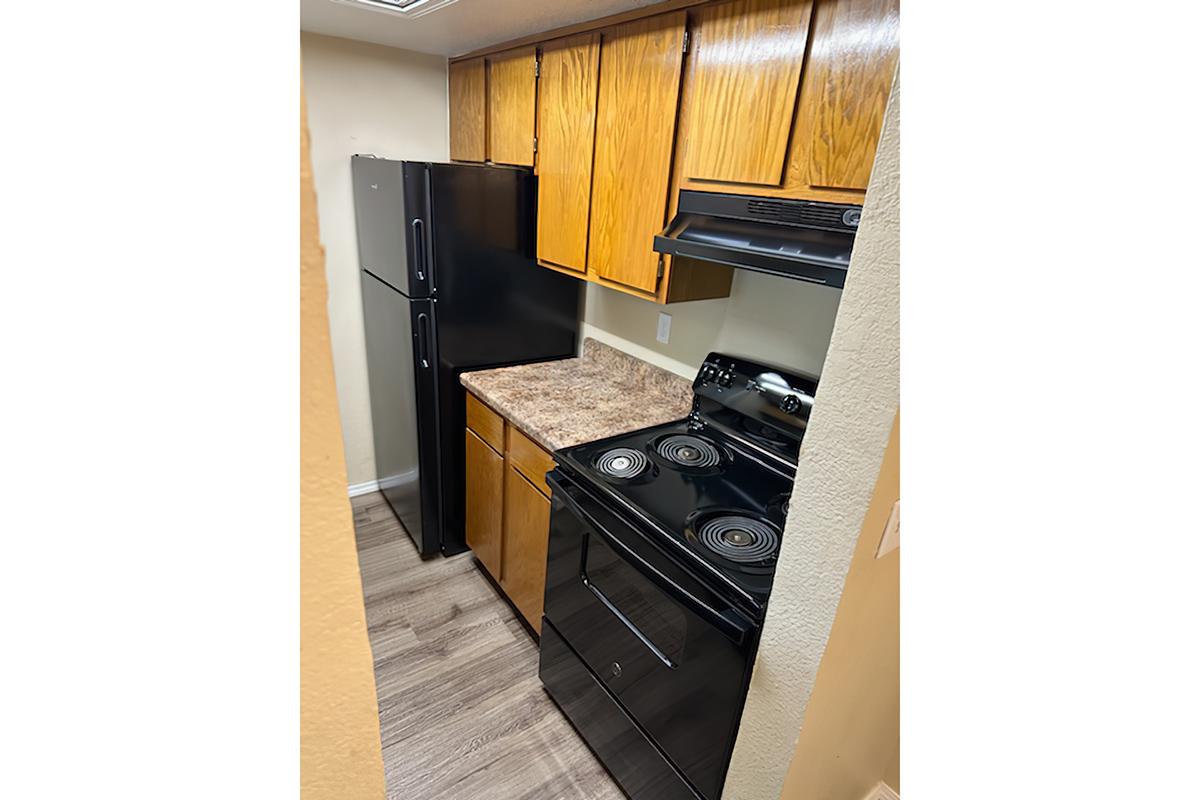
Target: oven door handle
x=731 y=622
x=626 y=621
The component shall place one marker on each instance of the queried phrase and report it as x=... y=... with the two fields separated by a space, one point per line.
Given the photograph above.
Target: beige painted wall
x=851 y=735
x=772 y=319
x=835 y=478
x=363 y=98
x=340 y=755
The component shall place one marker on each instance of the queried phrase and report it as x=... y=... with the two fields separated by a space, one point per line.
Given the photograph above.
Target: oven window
x=657 y=616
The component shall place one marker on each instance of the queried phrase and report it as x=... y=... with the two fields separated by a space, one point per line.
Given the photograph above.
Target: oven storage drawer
x=629 y=756
x=674 y=654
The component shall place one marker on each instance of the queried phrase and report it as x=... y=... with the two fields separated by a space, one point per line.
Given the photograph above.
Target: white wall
x=777 y=320
x=363 y=98
x=839 y=463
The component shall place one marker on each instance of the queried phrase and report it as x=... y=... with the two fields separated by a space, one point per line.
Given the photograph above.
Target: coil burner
x=689 y=451
x=621 y=462
x=744 y=540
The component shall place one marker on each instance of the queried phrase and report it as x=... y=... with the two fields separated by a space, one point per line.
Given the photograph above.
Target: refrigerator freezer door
x=392 y=242
x=400 y=344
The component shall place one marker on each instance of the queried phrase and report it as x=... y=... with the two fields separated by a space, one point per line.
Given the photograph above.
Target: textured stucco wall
x=851 y=734
x=839 y=464
x=340 y=751
x=363 y=98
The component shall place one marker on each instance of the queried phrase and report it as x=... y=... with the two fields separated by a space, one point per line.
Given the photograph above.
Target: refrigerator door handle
x=419 y=248
x=423 y=339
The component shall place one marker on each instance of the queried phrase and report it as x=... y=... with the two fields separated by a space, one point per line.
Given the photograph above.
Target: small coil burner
x=621 y=462
x=744 y=540
x=688 y=451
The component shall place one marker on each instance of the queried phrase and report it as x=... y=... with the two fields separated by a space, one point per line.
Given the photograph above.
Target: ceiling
x=458 y=28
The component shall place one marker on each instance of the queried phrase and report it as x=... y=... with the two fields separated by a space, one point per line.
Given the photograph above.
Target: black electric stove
x=715 y=484
x=662 y=549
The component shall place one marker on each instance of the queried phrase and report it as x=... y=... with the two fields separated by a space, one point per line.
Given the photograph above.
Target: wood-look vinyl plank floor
x=462 y=713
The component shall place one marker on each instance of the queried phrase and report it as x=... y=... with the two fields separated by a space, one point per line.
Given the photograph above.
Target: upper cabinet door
x=512 y=106
x=640 y=65
x=468 y=97
x=566 y=133
x=745 y=71
x=849 y=75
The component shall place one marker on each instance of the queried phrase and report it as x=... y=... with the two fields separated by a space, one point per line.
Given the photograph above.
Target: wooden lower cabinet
x=485 y=502
x=526 y=534
x=508 y=507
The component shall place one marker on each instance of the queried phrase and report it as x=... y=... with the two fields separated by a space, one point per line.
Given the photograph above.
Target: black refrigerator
x=449 y=283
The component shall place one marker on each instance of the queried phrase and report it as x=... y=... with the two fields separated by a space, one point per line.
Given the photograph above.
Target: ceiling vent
x=403 y=8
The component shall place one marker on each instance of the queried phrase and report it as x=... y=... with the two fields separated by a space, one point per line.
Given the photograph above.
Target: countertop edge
x=655 y=395
x=511 y=415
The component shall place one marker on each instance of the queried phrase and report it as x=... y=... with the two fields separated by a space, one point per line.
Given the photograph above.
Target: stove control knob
x=725 y=378
x=708 y=372
x=789 y=404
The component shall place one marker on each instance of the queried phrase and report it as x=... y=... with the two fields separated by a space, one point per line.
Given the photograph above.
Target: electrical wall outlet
x=664 y=328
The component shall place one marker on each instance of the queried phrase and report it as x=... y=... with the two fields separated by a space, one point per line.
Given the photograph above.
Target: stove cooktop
x=715 y=500
x=715 y=485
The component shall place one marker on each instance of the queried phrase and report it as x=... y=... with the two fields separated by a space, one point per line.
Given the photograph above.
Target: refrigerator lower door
x=401 y=383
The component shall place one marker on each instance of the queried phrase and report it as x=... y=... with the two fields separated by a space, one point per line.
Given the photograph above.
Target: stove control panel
x=716 y=374
x=765 y=393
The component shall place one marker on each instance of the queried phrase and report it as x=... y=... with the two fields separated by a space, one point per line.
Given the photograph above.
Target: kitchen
x=583 y=283
x=208 y=592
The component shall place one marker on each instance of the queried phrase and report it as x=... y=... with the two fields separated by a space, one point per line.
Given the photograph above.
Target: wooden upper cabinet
x=512 y=106
x=640 y=64
x=849 y=76
x=468 y=120
x=566 y=133
x=746 y=58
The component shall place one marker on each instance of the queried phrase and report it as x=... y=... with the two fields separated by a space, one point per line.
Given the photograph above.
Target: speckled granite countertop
x=602 y=393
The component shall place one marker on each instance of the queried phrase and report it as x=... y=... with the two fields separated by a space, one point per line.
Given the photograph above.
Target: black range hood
x=798 y=239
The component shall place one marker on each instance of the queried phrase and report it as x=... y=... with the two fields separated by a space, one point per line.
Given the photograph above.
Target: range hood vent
x=798 y=239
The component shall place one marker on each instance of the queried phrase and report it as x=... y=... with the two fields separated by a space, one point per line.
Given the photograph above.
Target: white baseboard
x=363 y=488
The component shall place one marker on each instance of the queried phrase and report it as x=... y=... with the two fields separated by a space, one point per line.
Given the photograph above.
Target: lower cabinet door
x=485 y=502
x=526 y=531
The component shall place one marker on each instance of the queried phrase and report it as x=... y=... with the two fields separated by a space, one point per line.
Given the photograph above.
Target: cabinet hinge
x=535 y=144
x=537 y=69
x=686 y=36
x=660 y=267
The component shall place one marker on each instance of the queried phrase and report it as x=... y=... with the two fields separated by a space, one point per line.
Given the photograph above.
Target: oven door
x=675 y=654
